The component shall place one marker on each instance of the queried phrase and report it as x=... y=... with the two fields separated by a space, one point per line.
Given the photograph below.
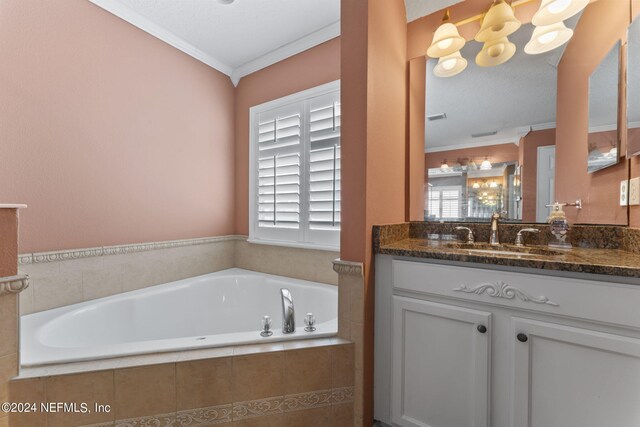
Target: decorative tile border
x=315 y=399
x=258 y=408
x=204 y=416
x=14 y=284
x=42 y=257
x=162 y=420
x=347 y=267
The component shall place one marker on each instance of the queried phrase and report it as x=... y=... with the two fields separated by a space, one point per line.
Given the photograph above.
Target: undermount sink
x=487 y=249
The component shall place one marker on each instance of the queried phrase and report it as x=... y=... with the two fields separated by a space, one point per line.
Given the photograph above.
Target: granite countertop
x=617 y=257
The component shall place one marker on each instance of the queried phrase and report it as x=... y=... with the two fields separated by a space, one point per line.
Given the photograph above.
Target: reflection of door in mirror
x=546 y=176
x=633 y=89
x=603 y=141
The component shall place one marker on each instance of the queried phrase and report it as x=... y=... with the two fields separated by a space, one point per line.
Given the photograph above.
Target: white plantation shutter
x=324 y=167
x=295 y=169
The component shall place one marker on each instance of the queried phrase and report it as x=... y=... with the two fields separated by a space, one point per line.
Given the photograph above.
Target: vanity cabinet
x=469 y=346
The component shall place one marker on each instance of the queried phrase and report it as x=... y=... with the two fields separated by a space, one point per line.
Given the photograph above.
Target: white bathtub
x=218 y=309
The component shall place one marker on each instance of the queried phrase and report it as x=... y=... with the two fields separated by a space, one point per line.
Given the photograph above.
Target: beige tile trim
x=347 y=267
x=14 y=284
x=301 y=401
x=205 y=416
x=258 y=408
x=41 y=257
x=161 y=420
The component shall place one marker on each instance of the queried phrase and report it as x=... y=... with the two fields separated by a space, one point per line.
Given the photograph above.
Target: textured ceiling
x=506 y=98
x=419 y=8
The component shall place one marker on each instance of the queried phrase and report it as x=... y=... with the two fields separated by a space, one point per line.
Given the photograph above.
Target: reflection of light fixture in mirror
x=495 y=52
x=493 y=184
x=554 y=11
x=476 y=185
x=444 y=166
x=472 y=165
x=486 y=165
x=446 y=39
x=612 y=153
x=548 y=37
x=450 y=65
x=498 y=22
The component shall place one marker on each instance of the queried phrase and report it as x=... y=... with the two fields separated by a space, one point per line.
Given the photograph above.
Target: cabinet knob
x=522 y=337
x=482 y=329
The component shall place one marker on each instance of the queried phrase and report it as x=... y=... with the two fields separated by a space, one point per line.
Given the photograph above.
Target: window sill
x=299 y=245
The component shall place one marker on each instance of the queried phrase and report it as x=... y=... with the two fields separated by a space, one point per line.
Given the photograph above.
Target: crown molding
x=324 y=34
x=307 y=42
x=509 y=140
x=138 y=20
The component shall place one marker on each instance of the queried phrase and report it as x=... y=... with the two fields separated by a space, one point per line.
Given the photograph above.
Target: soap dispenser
x=559 y=227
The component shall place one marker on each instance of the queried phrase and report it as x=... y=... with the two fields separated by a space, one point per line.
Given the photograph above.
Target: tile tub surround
x=251 y=386
x=66 y=277
x=351 y=323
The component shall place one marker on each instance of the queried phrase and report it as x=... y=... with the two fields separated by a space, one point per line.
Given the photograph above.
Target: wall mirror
x=490 y=136
x=603 y=140
x=633 y=89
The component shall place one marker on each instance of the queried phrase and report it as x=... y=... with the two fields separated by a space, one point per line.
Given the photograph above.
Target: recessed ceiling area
x=237 y=38
x=494 y=104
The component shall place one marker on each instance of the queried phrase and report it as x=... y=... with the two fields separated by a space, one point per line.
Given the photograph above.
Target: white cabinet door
x=440 y=367
x=572 y=377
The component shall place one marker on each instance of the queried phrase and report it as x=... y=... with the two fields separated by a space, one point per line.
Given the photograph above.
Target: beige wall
x=305 y=70
x=113 y=136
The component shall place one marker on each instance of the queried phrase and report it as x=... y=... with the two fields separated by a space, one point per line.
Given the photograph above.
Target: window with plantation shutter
x=295 y=169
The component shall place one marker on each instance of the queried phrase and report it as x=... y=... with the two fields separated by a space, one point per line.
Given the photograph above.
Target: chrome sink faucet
x=494 y=238
x=288 y=312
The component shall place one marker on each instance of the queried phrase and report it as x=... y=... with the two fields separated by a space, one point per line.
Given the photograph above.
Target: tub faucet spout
x=288 y=312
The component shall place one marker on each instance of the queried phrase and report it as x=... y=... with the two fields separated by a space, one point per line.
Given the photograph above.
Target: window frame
x=272 y=237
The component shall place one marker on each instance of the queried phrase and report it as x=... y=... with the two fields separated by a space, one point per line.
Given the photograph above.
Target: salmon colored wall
x=415 y=141
x=110 y=135
x=310 y=68
x=374 y=74
x=495 y=153
x=588 y=47
x=529 y=160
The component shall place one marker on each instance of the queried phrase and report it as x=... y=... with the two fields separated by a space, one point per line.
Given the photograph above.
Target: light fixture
x=450 y=65
x=446 y=39
x=493 y=184
x=495 y=52
x=476 y=184
x=554 y=11
x=486 y=165
x=498 y=22
x=548 y=37
x=444 y=166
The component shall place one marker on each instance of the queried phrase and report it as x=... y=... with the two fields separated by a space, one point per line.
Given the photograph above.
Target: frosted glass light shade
x=499 y=22
x=554 y=11
x=495 y=52
x=486 y=165
x=449 y=66
x=446 y=40
x=548 y=37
